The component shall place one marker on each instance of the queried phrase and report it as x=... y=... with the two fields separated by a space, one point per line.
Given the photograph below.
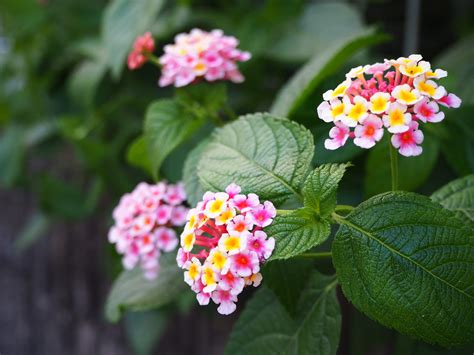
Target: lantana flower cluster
x=200 y=54
x=144 y=222
x=142 y=47
x=399 y=95
x=223 y=245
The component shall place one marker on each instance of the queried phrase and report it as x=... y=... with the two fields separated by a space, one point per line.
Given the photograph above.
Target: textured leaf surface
x=323 y=64
x=266 y=328
x=123 y=21
x=412 y=171
x=167 y=124
x=297 y=232
x=192 y=184
x=131 y=291
x=321 y=187
x=263 y=154
x=409 y=263
x=458 y=196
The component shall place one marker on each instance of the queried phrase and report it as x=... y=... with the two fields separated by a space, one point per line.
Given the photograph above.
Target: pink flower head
x=201 y=55
x=226 y=229
x=142 y=229
x=397 y=92
x=143 y=45
x=407 y=142
x=339 y=135
x=370 y=132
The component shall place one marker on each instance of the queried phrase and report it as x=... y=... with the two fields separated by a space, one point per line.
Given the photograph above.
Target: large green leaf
x=320 y=188
x=266 y=328
x=458 y=196
x=412 y=171
x=297 y=232
x=167 y=124
x=287 y=279
x=264 y=154
x=131 y=291
x=318 y=27
x=323 y=64
x=194 y=190
x=408 y=263
x=123 y=21
x=144 y=329
x=137 y=155
x=85 y=80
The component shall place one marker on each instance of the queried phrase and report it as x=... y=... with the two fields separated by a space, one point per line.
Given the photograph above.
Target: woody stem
x=394 y=165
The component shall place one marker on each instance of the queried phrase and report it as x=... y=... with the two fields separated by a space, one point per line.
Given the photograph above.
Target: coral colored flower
x=143 y=45
x=201 y=55
x=398 y=92
x=221 y=255
x=408 y=142
x=143 y=225
x=370 y=132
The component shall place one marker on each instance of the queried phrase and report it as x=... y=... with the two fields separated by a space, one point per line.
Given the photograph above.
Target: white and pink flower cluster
x=397 y=94
x=223 y=246
x=144 y=221
x=200 y=54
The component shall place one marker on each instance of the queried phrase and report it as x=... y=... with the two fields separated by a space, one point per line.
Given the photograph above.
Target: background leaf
x=323 y=64
x=123 y=21
x=265 y=327
x=297 y=232
x=409 y=263
x=137 y=155
x=318 y=27
x=144 y=329
x=458 y=196
x=167 y=124
x=194 y=190
x=320 y=188
x=262 y=153
x=131 y=291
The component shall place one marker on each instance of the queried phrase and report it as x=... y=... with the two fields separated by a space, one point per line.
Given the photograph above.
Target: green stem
x=152 y=59
x=322 y=255
x=394 y=165
x=344 y=208
x=284 y=212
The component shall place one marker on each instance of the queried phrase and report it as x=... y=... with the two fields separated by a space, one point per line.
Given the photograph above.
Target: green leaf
x=210 y=96
x=131 y=291
x=12 y=154
x=323 y=64
x=320 y=188
x=412 y=171
x=318 y=27
x=194 y=190
x=137 y=155
x=35 y=228
x=264 y=154
x=144 y=329
x=123 y=21
x=85 y=80
x=458 y=196
x=408 y=263
x=167 y=125
x=265 y=327
x=287 y=279
x=297 y=232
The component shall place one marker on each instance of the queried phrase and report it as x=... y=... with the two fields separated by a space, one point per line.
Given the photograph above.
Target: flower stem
x=344 y=208
x=152 y=59
x=394 y=165
x=323 y=255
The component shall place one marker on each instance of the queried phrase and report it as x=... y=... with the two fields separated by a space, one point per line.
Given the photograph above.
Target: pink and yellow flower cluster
x=398 y=95
x=144 y=221
x=200 y=54
x=223 y=245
